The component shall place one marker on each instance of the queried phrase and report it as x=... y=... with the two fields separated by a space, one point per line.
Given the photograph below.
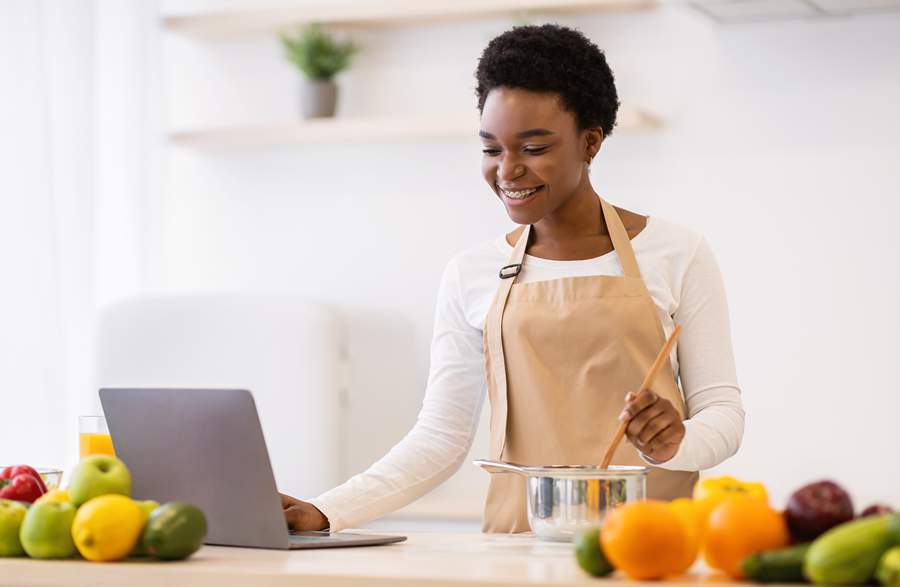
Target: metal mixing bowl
x=564 y=499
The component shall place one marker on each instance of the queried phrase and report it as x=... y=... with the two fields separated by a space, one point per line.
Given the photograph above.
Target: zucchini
x=848 y=554
x=784 y=565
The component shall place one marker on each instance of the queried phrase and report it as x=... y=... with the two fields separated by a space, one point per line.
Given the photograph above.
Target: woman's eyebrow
x=527 y=134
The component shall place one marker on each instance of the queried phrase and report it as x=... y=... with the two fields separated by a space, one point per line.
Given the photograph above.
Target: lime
x=590 y=555
x=174 y=531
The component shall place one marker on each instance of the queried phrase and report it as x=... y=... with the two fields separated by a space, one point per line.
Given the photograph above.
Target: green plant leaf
x=317 y=53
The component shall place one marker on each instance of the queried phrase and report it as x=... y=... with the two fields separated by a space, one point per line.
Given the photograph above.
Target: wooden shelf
x=228 y=25
x=362 y=130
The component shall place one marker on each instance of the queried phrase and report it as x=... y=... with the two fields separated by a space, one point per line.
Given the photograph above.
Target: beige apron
x=557 y=376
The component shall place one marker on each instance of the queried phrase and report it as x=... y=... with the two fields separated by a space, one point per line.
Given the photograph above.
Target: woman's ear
x=593 y=141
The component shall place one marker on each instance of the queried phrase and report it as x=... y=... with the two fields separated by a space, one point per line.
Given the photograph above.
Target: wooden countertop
x=425 y=559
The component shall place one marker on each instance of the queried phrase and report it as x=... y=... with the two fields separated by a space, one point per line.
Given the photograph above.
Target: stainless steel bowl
x=564 y=499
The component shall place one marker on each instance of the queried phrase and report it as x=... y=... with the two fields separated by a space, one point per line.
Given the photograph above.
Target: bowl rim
x=41 y=470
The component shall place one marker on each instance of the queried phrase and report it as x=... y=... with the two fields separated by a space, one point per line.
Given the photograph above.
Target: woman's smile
x=519 y=196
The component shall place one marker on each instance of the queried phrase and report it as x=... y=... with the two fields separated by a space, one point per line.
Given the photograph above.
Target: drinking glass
x=93 y=437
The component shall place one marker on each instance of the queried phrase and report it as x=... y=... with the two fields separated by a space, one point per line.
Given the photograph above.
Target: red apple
x=815 y=508
x=876 y=509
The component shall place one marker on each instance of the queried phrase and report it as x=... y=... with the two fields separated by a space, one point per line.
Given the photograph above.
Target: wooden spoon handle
x=651 y=375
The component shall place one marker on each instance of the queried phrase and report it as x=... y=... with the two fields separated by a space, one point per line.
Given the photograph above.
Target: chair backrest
x=287 y=352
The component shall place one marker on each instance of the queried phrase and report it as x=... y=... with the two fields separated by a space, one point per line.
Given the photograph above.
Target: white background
x=781 y=144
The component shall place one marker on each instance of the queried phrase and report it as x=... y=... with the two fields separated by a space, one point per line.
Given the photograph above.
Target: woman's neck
x=578 y=218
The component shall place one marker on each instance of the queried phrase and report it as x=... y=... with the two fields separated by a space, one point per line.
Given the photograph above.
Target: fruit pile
x=94 y=517
x=815 y=539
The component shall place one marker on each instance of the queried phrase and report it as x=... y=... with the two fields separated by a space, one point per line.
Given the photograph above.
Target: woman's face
x=534 y=154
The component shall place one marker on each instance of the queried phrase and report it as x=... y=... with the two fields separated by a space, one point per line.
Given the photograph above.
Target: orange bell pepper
x=710 y=492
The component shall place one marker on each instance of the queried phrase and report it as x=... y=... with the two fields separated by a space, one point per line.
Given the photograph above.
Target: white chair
x=286 y=351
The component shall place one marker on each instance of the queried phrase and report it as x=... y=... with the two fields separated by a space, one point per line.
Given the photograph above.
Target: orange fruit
x=689 y=514
x=738 y=527
x=709 y=493
x=645 y=539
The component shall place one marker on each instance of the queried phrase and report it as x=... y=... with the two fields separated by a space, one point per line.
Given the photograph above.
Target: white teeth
x=520 y=195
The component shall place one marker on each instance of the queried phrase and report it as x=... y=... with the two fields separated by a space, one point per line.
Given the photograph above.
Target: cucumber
x=848 y=554
x=894 y=527
x=784 y=565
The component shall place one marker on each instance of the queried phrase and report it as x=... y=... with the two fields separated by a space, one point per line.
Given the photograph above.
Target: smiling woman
x=547 y=99
x=561 y=318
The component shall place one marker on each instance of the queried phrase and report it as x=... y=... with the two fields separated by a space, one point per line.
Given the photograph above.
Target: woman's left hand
x=654 y=425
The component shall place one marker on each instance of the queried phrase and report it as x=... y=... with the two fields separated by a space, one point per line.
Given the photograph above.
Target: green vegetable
x=589 y=553
x=174 y=531
x=784 y=565
x=848 y=554
x=888 y=572
x=894 y=528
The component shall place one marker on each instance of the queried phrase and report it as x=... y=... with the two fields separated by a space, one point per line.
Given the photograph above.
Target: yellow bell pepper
x=710 y=492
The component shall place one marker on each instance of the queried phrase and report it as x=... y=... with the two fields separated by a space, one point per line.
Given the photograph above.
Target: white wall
x=781 y=146
x=77 y=136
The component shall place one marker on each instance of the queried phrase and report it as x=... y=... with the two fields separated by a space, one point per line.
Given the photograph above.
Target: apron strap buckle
x=510 y=270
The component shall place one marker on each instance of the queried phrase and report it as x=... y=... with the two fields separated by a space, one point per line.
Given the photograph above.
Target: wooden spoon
x=651 y=375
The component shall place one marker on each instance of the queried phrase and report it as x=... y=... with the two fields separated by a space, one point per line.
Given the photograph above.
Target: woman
x=586 y=297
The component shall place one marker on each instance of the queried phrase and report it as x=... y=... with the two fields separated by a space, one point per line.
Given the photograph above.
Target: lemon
x=57 y=495
x=107 y=528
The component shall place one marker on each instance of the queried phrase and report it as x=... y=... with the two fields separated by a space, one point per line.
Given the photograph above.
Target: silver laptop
x=206 y=447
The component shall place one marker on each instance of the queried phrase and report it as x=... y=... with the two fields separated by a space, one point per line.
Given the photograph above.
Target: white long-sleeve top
x=685 y=283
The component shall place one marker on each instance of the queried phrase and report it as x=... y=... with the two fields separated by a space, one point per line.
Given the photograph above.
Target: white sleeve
x=715 y=424
x=440 y=439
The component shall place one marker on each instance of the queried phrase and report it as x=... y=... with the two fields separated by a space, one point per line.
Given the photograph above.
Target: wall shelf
x=234 y=24
x=362 y=130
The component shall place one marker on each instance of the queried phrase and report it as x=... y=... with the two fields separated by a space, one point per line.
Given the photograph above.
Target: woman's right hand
x=301 y=515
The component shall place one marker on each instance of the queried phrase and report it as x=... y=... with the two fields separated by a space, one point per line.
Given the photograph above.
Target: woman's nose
x=510 y=169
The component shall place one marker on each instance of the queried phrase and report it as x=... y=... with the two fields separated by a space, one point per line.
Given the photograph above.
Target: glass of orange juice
x=93 y=436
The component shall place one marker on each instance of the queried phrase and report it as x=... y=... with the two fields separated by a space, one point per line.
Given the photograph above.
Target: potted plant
x=320 y=57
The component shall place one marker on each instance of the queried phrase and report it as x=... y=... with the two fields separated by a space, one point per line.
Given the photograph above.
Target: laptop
x=206 y=447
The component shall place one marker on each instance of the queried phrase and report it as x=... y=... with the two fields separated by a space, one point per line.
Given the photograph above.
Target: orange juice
x=93 y=443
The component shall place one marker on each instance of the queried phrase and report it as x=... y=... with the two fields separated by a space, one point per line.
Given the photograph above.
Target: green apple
x=147 y=506
x=98 y=475
x=11 y=515
x=47 y=530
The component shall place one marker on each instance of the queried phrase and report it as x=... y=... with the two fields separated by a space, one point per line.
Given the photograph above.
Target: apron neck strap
x=518 y=254
x=620 y=240
x=617 y=234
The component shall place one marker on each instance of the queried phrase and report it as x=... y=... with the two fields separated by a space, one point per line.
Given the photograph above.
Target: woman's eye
x=535 y=150
x=490 y=152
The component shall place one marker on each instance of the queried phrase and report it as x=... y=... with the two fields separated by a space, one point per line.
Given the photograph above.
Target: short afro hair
x=554 y=59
